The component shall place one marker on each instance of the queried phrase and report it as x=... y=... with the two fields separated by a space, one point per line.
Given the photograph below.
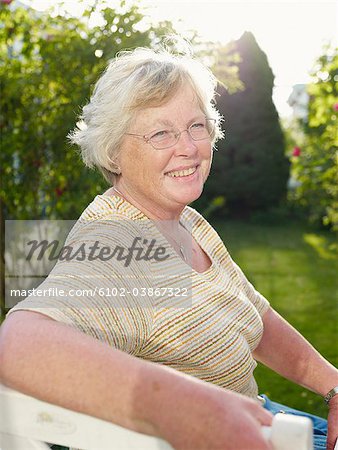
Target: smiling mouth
x=182 y=173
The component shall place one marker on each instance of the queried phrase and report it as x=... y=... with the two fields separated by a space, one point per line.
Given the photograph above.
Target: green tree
x=250 y=169
x=48 y=67
x=315 y=167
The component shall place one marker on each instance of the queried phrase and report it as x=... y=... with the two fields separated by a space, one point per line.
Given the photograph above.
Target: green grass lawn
x=296 y=270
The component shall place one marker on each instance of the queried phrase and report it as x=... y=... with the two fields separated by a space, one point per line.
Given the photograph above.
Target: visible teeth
x=181 y=173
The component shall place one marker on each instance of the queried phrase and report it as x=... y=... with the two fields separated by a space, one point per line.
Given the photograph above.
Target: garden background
x=272 y=192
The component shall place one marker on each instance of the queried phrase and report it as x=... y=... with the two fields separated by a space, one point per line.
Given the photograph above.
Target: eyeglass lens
x=197 y=131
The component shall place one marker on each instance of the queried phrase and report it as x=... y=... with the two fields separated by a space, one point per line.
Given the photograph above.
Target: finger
x=331 y=442
x=265 y=441
x=265 y=417
x=262 y=415
x=332 y=428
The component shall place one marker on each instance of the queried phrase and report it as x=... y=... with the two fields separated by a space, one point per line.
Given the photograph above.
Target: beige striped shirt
x=204 y=324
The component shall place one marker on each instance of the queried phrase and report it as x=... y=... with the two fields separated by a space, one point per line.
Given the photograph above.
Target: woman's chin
x=188 y=195
x=186 y=189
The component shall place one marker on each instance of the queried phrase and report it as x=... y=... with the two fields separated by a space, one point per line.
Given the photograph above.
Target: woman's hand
x=332 y=423
x=228 y=422
x=204 y=417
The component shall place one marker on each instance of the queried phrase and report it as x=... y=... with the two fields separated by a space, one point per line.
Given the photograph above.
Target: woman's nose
x=185 y=143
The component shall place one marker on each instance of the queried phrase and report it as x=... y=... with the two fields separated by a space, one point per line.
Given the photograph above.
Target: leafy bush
x=315 y=165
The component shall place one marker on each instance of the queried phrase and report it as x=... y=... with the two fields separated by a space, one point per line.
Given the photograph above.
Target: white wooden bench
x=27 y=424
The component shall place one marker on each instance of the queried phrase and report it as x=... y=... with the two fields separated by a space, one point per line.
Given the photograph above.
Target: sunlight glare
x=291 y=33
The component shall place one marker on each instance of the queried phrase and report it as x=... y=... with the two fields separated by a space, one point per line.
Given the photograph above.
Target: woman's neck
x=169 y=225
x=171 y=217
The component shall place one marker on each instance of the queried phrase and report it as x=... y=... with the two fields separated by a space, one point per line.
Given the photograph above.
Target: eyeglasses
x=166 y=138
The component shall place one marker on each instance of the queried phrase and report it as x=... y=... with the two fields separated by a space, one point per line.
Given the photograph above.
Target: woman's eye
x=198 y=125
x=162 y=134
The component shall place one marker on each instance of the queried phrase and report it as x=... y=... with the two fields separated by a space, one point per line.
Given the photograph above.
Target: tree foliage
x=48 y=66
x=316 y=166
x=250 y=169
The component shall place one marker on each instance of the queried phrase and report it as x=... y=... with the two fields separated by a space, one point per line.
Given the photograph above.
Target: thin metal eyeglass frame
x=178 y=133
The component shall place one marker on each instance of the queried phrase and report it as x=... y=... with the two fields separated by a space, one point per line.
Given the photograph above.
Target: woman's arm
x=61 y=365
x=288 y=353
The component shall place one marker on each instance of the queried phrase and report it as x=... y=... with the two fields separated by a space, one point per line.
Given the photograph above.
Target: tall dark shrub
x=250 y=169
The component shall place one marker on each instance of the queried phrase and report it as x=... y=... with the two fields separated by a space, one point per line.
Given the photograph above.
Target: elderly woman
x=167 y=339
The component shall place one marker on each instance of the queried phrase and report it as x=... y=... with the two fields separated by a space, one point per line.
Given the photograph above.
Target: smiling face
x=162 y=182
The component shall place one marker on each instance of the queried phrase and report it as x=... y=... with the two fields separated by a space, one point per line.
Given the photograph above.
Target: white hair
x=135 y=80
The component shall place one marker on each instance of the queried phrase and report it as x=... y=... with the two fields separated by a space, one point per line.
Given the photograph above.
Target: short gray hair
x=134 y=80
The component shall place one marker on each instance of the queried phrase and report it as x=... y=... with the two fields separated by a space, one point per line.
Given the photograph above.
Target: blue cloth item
x=319 y=424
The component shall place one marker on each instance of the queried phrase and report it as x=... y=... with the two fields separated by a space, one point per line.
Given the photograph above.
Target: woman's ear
x=114 y=165
x=117 y=169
